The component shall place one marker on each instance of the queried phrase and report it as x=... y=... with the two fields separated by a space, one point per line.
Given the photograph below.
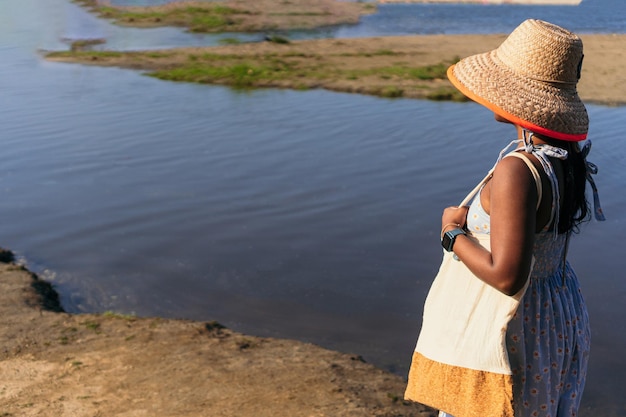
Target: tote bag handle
x=472 y=193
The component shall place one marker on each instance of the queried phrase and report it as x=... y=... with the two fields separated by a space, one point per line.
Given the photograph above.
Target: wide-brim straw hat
x=530 y=80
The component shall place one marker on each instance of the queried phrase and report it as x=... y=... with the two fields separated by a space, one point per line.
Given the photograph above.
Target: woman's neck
x=539 y=139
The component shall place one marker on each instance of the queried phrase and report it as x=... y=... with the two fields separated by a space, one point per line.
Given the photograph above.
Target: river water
x=308 y=215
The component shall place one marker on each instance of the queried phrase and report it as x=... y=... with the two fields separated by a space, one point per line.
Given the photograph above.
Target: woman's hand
x=453 y=217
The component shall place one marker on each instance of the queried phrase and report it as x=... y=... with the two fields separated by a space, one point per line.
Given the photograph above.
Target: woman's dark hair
x=575 y=208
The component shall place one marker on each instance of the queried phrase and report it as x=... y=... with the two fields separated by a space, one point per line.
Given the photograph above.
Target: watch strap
x=449 y=238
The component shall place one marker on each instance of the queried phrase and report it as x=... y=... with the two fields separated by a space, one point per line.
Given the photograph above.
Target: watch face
x=446 y=242
x=449 y=237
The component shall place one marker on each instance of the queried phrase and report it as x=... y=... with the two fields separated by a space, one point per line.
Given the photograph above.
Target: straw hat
x=530 y=80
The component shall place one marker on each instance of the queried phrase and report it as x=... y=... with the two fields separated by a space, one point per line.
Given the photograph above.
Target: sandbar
x=396 y=66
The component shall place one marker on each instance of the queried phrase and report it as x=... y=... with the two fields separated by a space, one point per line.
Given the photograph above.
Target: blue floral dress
x=548 y=338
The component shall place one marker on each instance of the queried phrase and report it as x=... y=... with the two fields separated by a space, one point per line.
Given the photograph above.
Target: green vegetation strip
x=196 y=16
x=232 y=15
x=287 y=69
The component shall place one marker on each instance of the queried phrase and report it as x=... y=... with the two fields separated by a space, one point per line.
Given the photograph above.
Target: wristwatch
x=448 y=239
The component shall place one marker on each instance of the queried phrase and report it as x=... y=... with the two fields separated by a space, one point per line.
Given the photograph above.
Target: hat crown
x=542 y=51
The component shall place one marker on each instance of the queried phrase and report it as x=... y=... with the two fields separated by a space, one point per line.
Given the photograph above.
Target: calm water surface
x=308 y=215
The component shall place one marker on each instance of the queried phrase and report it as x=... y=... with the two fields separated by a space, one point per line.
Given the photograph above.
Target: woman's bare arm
x=512 y=210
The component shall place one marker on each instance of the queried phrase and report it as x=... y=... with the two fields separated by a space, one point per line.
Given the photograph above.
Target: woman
x=530 y=204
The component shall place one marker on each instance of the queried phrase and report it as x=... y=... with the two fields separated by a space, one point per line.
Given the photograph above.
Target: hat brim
x=538 y=106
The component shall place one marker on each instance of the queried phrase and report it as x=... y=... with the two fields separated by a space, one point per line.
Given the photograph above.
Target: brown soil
x=58 y=364
x=368 y=66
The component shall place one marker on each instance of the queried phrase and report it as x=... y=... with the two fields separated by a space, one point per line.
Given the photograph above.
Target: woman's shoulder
x=518 y=179
x=519 y=168
x=525 y=172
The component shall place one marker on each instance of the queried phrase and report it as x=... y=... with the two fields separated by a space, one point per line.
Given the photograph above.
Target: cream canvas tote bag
x=460 y=364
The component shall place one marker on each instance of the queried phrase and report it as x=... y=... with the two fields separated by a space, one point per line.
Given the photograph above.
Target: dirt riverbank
x=399 y=66
x=63 y=365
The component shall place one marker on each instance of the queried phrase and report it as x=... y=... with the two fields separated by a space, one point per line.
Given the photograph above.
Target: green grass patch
x=200 y=17
x=208 y=22
x=212 y=68
x=128 y=16
x=106 y=11
x=299 y=55
x=210 y=57
x=239 y=75
x=113 y=314
x=159 y=55
x=430 y=72
x=92 y=325
x=229 y=41
x=391 y=92
x=231 y=70
x=211 y=17
x=286 y=67
x=385 y=52
x=218 y=9
x=277 y=39
x=447 y=94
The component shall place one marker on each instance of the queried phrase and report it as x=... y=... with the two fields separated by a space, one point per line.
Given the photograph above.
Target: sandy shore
x=397 y=66
x=58 y=364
